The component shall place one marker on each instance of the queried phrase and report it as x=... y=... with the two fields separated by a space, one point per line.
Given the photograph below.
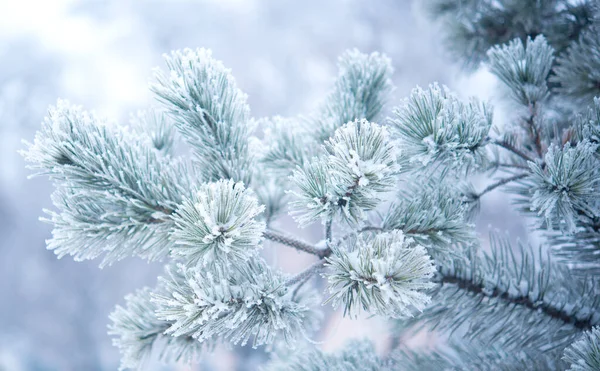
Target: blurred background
x=283 y=53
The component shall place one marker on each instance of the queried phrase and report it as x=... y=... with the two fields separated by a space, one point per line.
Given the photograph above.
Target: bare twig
x=497 y=184
x=514 y=166
x=328 y=232
x=363 y=229
x=293 y=242
x=307 y=273
x=513 y=149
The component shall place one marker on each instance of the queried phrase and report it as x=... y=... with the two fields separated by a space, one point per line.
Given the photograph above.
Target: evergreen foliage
x=523 y=68
x=385 y=274
x=577 y=69
x=394 y=196
x=140 y=333
x=235 y=304
x=565 y=187
x=218 y=224
x=433 y=126
x=584 y=354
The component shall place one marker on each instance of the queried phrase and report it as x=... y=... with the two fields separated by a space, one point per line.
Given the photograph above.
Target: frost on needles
x=393 y=196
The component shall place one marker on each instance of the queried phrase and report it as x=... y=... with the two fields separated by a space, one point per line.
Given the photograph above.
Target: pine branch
x=237 y=303
x=361 y=91
x=433 y=214
x=515 y=302
x=114 y=191
x=387 y=274
x=552 y=311
x=212 y=114
x=435 y=128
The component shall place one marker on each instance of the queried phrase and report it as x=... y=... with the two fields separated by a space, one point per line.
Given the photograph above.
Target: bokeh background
x=53 y=313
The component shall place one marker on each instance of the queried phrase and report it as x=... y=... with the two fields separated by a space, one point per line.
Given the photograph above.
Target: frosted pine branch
x=246 y=301
x=385 y=274
x=115 y=192
x=435 y=127
x=209 y=110
x=219 y=224
x=396 y=202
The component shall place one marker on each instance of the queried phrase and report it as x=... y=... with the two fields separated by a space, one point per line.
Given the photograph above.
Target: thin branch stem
x=514 y=166
x=499 y=183
x=299 y=286
x=293 y=242
x=513 y=149
x=307 y=273
x=328 y=231
x=534 y=132
x=363 y=229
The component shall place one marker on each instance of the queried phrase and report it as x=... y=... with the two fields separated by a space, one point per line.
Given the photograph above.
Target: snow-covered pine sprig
x=386 y=274
x=584 y=354
x=434 y=127
x=211 y=113
x=363 y=165
x=218 y=225
x=567 y=186
x=361 y=91
x=580 y=249
x=517 y=301
x=140 y=334
x=114 y=191
x=578 y=69
x=234 y=303
x=433 y=213
x=523 y=68
x=359 y=166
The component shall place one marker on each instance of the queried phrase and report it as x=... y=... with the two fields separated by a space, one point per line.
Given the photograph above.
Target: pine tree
x=393 y=195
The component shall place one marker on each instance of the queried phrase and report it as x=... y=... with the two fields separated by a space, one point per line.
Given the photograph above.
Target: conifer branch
x=120 y=194
x=552 y=311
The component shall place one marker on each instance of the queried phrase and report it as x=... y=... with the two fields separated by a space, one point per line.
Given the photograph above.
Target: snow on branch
x=435 y=128
x=361 y=91
x=515 y=301
x=115 y=192
x=386 y=274
x=359 y=166
x=209 y=110
x=584 y=354
x=218 y=225
x=140 y=334
x=433 y=213
x=523 y=68
x=233 y=303
x=578 y=69
x=566 y=186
